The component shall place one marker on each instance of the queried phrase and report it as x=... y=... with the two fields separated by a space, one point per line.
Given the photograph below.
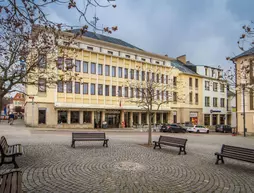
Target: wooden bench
x=171 y=141
x=89 y=137
x=9 y=151
x=238 y=153
x=11 y=182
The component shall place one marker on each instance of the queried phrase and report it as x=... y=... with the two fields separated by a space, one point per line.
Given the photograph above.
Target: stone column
x=155 y=118
x=147 y=118
x=211 y=119
x=92 y=116
x=169 y=118
x=121 y=117
x=68 y=117
x=161 y=118
x=103 y=116
x=139 y=118
x=131 y=119
x=81 y=120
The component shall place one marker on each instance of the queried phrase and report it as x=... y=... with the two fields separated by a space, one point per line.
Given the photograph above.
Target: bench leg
x=155 y=145
x=219 y=158
x=73 y=144
x=2 y=160
x=105 y=143
x=14 y=162
x=184 y=151
x=222 y=160
x=180 y=151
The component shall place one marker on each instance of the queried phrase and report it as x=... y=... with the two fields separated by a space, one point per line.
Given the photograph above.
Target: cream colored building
x=245 y=79
x=99 y=93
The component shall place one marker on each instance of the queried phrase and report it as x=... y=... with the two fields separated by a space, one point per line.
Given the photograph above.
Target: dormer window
x=90 y=48
x=127 y=56
x=157 y=62
x=143 y=59
x=110 y=52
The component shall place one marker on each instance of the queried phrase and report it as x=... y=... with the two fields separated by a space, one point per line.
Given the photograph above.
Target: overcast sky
x=206 y=31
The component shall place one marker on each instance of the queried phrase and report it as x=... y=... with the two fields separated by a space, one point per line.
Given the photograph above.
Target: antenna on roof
x=94 y=22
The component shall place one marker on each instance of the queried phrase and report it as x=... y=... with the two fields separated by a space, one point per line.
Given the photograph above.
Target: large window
x=157 y=78
x=132 y=74
x=60 y=63
x=113 y=90
x=85 y=88
x=167 y=96
x=190 y=82
x=77 y=65
x=166 y=79
x=107 y=70
x=106 y=90
x=126 y=92
x=132 y=92
x=92 y=89
x=143 y=75
x=196 y=83
x=196 y=98
x=215 y=102
x=158 y=94
x=215 y=86
x=153 y=76
x=120 y=91
x=69 y=64
x=74 y=116
x=190 y=97
x=69 y=87
x=126 y=73
x=207 y=85
x=87 y=117
x=77 y=87
x=93 y=68
x=120 y=72
x=100 y=69
x=222 y=102
x=207 y=101
x=147 y=76
x=42 y=61
x=222 y=87
x=59 y=86
x=113 y=71
x=137 y=74
x=42 y=85
x=85 y=67
x=174 y=81
x=100 y=89
x=162 y=78
x=174 y=97
x=207 y=119
x=62 y=117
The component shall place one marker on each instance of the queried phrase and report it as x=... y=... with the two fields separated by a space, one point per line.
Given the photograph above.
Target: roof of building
x=19 y=96
x=230 y=93
x=188 y=63
x=181 y=66
x=105 y=38
x=246 y=53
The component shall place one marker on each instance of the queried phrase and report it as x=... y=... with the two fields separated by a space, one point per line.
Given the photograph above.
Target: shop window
x=143 y=118
x=74 y=116
x=42 y=117
x=62 y=117
x=77 y=65
x=87 y=117
x=59 y=86
x=207 y=119
x=222 y=119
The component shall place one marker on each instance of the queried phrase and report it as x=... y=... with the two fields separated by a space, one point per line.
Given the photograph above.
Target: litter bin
x=104 y=125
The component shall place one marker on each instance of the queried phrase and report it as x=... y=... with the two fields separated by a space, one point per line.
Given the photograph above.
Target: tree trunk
x=150 y=129
x=1 y=106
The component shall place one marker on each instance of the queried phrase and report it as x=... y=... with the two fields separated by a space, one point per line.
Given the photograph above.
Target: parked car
x=173 y=128
x=223 y=128
x=198 y=129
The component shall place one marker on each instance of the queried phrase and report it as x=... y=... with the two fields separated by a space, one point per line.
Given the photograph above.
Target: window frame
x=77 y=87
x=44 y=82
x=100 y=89
x=107 y=70
x=69 y=83
x=100 y=69
x=91 y=87
x=87 y=88
x=93 y=70
x=85 y=63
x=60 y=86
x=113 y=71
x=76 y=69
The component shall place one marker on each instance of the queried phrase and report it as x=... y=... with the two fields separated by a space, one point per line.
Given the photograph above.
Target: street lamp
x=244 y=119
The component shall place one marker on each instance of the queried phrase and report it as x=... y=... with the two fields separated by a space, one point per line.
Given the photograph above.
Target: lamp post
x=244 y=127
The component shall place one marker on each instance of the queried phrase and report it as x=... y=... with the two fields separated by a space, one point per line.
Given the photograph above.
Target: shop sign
x=215 y=111
x=193 y=114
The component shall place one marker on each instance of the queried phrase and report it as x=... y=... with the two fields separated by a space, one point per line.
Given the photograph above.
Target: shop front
x=112 y=118
x=194 y=118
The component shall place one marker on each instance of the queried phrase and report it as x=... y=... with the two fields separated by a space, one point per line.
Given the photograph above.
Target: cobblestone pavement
x=51 y=165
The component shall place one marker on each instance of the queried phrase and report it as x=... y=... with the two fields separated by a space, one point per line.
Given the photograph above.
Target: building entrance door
x=113 y=119
x=42 y=117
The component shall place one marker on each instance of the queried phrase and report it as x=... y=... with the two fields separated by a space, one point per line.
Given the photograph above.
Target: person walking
x=11 y=118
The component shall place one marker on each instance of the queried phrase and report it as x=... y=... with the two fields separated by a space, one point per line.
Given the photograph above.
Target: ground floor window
x=74 y=116
x=143 y=118
x=214 y=119
x=207 y=119
x=165 y=118
x=222 y=119
x=158 y=118
x=135 y=118
x=87 y=117
x=175 y=118
x=42 y=117
x=62 y=117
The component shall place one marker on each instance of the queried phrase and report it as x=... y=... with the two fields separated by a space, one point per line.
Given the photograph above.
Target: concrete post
x=131 y=119
x=155 y=118
x=81 y=120
x=92 y=119
x=139 y=118
x=69 y=117
x=161 y=118
x=121 y=117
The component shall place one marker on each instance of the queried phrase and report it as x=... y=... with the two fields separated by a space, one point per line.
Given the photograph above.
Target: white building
x=231 y=108
x=214 y=93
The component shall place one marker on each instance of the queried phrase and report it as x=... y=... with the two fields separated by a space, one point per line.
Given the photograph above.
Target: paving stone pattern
x=128 y=167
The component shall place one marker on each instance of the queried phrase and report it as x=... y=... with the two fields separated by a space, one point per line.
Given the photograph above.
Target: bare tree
x=154 y=90
x=29 y=42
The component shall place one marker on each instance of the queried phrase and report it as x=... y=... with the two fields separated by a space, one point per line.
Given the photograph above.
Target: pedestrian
x=11 y=118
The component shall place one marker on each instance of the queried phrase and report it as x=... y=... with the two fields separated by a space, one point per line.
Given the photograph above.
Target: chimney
x=182 y=58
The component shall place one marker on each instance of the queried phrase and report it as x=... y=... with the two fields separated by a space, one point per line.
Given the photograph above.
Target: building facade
x=100 y=91
x=214 y=95
x=244 y=91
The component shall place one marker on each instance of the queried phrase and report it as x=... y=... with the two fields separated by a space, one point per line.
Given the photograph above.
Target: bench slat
x=8 y=184
x=14 y=182
x=3 y=184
